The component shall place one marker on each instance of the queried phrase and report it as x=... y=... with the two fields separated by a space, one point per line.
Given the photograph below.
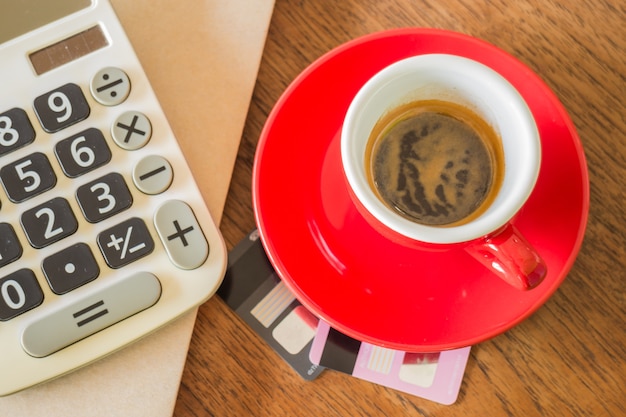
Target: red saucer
x=364 y=285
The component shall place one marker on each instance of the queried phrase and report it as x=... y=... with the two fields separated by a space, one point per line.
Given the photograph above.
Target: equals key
x=110 y=86
x=90 y=314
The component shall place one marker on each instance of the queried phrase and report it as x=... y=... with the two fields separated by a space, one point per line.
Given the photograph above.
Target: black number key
x=82 y=153
x=70 y=268
x=61 y=108
x=104 y=197
x=27 y=177
x=10 y=248
x=125 y=243
x=15 y=130
x=49 y=222
x=19 y=292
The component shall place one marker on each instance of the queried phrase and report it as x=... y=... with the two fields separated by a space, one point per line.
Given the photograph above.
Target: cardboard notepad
x=202 y=60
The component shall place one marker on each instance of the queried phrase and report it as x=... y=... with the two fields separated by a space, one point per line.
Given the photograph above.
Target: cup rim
x=353 y=155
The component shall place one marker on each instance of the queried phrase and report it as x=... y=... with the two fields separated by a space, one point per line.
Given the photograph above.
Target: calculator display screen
x=18 y=17
x=68 y=49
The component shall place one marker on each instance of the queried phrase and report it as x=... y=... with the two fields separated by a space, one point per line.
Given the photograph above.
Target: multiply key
x=131 y=130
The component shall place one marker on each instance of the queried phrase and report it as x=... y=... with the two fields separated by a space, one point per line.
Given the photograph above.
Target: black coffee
x=436 y=163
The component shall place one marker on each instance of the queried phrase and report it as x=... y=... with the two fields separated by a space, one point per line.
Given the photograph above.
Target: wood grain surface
x=567 y=359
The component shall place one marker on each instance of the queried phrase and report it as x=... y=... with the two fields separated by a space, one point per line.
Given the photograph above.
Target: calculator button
x=131 y=131
x=62 y=107
x=125 y=242
x=181 y=235
x=153 y=175
x=28 y=177
x=82 y=152
x=10 y=248
x=91 y=314
x=104 y=197
x=70 y=268
x=110 y=86
x=49 y=222
x=19 y=292
x=15 y=130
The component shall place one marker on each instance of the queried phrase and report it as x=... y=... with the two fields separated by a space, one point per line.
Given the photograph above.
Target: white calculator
x=104 y=235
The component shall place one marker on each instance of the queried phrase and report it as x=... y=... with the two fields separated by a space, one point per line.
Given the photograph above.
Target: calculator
x=104 y=234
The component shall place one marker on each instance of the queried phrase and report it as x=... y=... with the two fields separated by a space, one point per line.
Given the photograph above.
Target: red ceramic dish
x=361 y=283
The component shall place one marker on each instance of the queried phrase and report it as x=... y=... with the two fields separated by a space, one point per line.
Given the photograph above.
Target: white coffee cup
x=490 y=237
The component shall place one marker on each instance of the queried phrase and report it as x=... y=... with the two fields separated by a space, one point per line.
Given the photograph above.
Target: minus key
x=153 y=175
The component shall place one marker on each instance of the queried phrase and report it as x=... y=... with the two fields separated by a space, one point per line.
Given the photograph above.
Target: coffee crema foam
x=435 y=163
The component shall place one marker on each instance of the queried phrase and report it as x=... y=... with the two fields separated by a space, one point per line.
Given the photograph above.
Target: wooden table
x=567 y=359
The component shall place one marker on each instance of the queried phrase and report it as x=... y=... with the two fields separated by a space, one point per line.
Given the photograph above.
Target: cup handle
x=509 y=255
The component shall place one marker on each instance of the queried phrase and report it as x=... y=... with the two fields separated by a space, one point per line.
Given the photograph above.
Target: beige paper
x=202 y=58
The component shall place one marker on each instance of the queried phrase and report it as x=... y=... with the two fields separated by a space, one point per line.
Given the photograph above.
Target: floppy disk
x=252 y=289
x=434 y=376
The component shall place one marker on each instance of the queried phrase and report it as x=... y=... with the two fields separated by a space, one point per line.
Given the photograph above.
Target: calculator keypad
x=54 y=219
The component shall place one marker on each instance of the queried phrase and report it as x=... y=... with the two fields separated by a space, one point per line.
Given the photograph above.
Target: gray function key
x=181 y=235
x=131 y=130
x=91 y=314
x=110 y=86
x=153 y=175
